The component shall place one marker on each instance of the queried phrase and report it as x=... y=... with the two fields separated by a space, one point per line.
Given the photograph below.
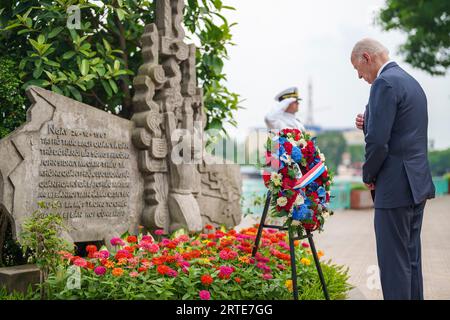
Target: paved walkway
x=349 y=240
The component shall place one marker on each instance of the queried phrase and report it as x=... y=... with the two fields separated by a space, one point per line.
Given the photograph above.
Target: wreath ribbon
x=309 y=177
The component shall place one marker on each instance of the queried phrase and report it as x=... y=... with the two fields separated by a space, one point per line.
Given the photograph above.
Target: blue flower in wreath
x=308 y=202
x=282 y=140
x=281 y=151
x=313 y=186
x=321 y=192
x=302 y=213
x=296 y=154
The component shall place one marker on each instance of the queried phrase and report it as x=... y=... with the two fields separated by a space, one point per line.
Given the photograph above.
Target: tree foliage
x=333 y=145
x=95 y=63
x=427 y=25
x=439 y=162
x=12 y=101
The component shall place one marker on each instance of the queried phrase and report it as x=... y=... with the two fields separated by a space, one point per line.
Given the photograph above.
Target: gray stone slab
x=19 y=278
x=77 y=155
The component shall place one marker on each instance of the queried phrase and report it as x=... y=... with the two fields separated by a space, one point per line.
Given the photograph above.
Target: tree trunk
x=124 y=80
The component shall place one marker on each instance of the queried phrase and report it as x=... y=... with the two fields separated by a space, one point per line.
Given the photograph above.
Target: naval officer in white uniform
x=283 y=114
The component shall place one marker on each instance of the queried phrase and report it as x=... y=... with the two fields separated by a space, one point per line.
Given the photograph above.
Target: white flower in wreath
x=282 y=201
x=322 y=157
x=295 y=223
x=293 y=142
x=286 y=159
x=325 y=214
x=302 y=142
x=299 y=200
x=276 y=178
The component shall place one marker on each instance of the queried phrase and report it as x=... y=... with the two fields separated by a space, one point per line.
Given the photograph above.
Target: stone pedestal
x=18 y=278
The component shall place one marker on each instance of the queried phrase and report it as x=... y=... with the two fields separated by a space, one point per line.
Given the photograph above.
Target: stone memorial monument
x=110 y=175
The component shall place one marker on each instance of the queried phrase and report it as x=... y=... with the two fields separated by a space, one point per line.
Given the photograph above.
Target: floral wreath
x=299 y=179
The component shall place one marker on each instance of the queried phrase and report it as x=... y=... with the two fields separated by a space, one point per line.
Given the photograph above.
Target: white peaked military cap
x=288 y=93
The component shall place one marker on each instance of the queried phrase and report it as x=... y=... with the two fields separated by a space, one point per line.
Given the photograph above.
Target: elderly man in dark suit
x=396 y=166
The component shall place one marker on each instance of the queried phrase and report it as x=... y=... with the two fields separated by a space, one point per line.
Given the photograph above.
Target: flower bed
x=216 y=264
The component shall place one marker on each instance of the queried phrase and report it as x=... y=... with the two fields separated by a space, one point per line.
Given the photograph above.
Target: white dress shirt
x=278 y=118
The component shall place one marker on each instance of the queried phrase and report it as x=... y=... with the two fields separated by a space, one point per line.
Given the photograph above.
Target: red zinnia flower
x=131 y=239
x=206 y=279
x=142 y=269
x=91 y=248
x=163 y=269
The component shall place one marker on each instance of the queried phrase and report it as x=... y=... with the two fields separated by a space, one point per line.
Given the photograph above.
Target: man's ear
x=367 y=57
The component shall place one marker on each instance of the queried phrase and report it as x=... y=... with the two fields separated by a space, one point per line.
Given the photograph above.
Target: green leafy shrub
x=41 y=236
x=12 y=100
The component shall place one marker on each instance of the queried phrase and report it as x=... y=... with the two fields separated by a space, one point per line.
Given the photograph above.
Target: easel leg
x=261 y=224
x=293 y=263
x=318 y=267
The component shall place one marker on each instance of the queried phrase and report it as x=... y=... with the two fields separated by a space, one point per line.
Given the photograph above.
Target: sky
x=286 y=43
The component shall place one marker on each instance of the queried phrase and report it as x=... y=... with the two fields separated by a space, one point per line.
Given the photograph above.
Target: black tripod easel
x=292 y=238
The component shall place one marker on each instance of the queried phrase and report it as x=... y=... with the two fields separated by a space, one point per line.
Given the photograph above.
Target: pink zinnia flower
x=205 y=295
x=305 y=245
x=103 y=254
x=153 y=248
x=267 y=276
x=100 y=271
x=225 y=271
x=159 y=232
x=147 y=238
x=117 y=241
x=66 y=255
x=183 y=238
x=134 y=274
x=165 y=242
x=80 y=262
x=184 y=264
x=172 y=273
x=261 y=258
x=283 y=245
x=265 y=268
x=227 y=254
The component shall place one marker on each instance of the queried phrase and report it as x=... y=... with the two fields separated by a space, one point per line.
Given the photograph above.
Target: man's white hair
x=371 y=46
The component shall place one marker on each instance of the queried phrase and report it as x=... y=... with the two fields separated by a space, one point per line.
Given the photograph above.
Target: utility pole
x=310 y=115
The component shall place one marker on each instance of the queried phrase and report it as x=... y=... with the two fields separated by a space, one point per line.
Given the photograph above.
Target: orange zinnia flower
x=117 y=272
x=320 y=254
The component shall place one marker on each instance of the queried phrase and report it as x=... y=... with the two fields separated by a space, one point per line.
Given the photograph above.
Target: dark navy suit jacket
x=396 y=124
